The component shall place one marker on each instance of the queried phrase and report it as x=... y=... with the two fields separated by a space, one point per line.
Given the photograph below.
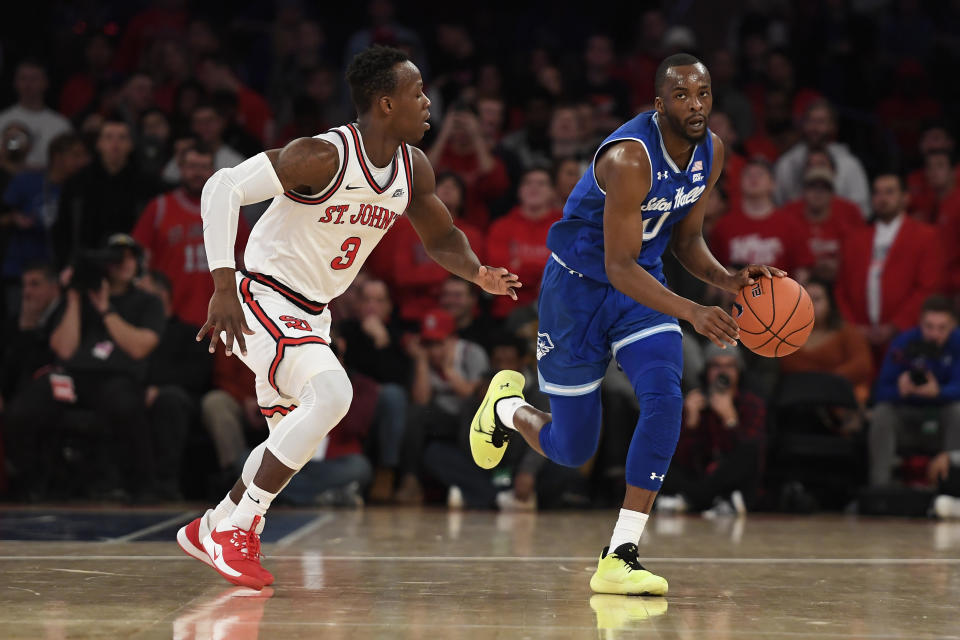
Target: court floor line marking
x=304 y=530
x=163 y=524
x=589 y=559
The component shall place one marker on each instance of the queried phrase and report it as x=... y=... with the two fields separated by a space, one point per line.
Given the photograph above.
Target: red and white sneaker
x=235 y=553
x=189 y=538
x=190 y=535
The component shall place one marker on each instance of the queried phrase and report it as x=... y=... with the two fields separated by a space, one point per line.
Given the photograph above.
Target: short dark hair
x=825 y=152
x=537 y=168
x=892 y=173
x=938 y=304
x=371 y=73
x=45 y=267
x=676 y=60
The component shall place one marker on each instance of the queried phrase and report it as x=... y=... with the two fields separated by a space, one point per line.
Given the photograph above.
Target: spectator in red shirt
x=171 y=232
x=888 y=269
x=414 y=276
x=519 y=240
x=721 y=443
x=462 y=148
x=935 y=137
x=757 y=232
x=826 y=217
x=82 y=87
x=941 y=193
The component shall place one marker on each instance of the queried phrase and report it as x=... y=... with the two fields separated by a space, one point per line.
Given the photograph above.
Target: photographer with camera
x=918 y=391
x=102 y=335
x=719 y=455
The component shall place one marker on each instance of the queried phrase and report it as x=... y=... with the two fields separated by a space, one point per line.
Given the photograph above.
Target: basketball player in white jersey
x=334 y=198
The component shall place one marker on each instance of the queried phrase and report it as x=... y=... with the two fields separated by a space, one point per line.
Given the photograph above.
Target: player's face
x=411 y=107
x=686 y=101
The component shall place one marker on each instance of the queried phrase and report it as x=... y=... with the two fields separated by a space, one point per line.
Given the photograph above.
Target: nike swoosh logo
x=252 y=498
x=350 y=187
x=216 y=553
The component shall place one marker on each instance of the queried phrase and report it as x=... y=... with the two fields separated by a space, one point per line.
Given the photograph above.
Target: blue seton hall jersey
x=577 y=239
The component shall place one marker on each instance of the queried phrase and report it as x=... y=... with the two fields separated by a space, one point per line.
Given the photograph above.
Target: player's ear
x=386 y=105
x=658 y=104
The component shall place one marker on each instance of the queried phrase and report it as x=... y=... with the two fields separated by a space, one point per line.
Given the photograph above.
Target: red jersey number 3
x=350 y=247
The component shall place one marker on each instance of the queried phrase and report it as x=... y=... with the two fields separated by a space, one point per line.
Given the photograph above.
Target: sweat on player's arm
x=690 y=248
x=444 y=242
x=624 y=173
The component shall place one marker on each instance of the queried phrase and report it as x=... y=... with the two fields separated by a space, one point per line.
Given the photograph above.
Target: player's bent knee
x=571 y=438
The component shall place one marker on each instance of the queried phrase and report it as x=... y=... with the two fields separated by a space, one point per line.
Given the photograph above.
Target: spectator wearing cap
x=819 y=132
x=827 y=218
x=720 y=451
x=104 y=197
x=43 y=123
x=518 y=241
x=759 y=233
x=447 y=372
x=888 y=269
x=102 y=335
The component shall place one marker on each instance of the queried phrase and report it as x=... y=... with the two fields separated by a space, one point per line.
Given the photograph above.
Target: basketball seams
x=777 y=339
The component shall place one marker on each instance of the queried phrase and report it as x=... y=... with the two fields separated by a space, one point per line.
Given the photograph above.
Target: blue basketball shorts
x=583 y=323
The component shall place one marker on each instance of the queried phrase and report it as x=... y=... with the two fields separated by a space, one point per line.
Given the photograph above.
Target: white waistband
x=573 y=272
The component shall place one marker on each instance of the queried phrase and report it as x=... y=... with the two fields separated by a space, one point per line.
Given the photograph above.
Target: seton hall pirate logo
x=544 y=344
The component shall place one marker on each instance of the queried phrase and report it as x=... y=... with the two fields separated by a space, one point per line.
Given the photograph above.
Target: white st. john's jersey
x=316 y=244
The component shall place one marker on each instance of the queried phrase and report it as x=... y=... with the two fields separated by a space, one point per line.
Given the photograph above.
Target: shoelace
x=630 y=558
x=248 y=541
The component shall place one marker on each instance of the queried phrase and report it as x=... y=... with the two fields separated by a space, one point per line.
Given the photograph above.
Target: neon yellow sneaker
x=620 y=572
x=488 y=436
x=617 y=612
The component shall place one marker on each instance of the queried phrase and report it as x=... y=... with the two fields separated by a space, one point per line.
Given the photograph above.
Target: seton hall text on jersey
x=680 y=199
x=364 y=214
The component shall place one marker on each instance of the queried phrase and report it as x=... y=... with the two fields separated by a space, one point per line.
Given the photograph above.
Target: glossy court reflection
x=412 y=574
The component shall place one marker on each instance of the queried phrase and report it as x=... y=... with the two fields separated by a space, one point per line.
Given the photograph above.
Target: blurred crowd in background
x=838 y=122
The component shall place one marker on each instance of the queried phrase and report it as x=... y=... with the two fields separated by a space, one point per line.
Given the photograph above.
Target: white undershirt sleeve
x=253 y=180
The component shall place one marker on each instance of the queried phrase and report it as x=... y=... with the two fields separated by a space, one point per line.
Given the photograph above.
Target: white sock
x=507 y=407
x=255 y=502
x=221 y=512
x=629 y=528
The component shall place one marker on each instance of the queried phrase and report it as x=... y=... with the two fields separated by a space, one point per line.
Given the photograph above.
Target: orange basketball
x=775 y=316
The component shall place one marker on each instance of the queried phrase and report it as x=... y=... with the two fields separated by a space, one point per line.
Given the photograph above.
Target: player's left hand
x=749 y=274
x=497 y=280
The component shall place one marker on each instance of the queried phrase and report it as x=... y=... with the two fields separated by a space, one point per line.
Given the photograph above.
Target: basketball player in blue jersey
x=603 y=294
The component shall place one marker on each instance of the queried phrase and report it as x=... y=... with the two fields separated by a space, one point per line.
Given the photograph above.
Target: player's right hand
x=225 y=314
x=716 y=324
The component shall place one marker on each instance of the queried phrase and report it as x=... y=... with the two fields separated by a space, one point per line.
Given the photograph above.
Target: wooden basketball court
x=407 y=573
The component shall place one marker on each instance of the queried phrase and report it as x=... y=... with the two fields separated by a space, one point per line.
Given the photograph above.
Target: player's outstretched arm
x=690 y=248
x=444 y=242
x=306 y=165
x=624 y=172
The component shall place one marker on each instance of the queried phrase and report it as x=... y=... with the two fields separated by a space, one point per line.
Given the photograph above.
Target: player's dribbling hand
x=498 y=280
x=716 y=324
x=749 y=274
x=225 y=314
